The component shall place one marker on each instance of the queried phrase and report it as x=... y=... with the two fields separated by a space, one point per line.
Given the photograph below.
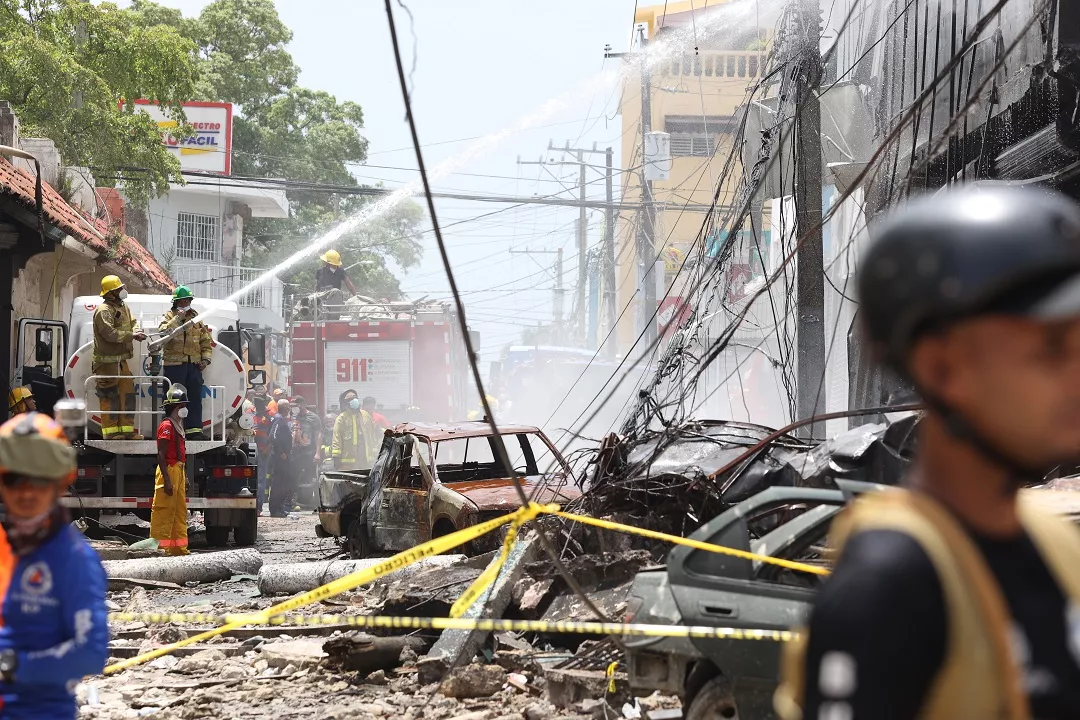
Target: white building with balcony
x=196 y=230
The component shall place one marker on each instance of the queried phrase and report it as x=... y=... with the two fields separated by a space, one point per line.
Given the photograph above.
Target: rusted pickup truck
x=432 y=479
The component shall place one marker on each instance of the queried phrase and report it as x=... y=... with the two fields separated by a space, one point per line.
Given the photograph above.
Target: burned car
x=430 y=480
x=718 y=678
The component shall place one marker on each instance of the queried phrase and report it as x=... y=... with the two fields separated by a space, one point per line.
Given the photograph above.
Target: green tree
x=65 y=65
x=283 y=130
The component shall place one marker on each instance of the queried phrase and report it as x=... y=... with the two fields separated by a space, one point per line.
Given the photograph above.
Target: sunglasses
x=11 y=481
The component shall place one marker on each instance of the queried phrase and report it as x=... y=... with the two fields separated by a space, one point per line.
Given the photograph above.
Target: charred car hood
x=501 y=495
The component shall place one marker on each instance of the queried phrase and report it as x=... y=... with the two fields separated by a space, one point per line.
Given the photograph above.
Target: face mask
x=354 y=404
x=122 y=294
x=181 y=413
x=295 y=412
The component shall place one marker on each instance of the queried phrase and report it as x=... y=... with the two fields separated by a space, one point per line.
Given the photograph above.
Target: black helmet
x=177 y=395
x=977 y=250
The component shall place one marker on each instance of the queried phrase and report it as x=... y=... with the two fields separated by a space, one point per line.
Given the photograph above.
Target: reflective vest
x=978 y=677
x=114 y=331
x=192 y=345
x=353 y=440
x=262 y=434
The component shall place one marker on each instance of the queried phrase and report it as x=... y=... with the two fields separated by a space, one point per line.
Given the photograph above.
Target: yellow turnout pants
x=116 y=397
x=168 y=514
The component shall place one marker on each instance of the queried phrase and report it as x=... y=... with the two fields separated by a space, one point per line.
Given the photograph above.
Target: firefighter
x=478 y=413
x=187 y=354
x=52 y=599
x=168 y=514
x=21 y=400
x=955 y=598
x=370 y=406
x=281 y=447
x=114 y=331
x=354 y=443
x=330 y=276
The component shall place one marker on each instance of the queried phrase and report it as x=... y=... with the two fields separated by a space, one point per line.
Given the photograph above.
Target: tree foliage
x=66 y=64
x=283 y=130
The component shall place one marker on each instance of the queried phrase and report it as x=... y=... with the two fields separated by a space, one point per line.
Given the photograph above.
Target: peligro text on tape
x=433 y=547
x=487 y=625
x=441 y=545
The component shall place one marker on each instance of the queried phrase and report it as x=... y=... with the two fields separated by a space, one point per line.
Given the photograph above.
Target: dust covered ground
x=283 y=672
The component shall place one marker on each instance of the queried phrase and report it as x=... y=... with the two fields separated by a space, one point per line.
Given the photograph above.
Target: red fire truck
x=402 y=354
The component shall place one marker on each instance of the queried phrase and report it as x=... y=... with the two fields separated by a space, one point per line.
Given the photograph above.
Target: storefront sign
x=209 y=147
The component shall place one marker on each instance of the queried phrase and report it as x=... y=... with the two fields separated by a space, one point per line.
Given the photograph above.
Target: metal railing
x=156 y=383
x=218 y=281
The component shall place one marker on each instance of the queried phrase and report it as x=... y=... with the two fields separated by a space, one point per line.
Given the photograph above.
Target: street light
x=16 y=152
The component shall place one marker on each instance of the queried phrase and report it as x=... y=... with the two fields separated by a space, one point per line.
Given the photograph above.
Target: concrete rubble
x=335 y=671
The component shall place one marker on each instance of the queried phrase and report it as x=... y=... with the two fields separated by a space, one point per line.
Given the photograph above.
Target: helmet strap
x=1018 y=473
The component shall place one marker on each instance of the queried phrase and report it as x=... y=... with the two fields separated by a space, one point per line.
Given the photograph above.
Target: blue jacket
x=54 y=617
x=280 y=436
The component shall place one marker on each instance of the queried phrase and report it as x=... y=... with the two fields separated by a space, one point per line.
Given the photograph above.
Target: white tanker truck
x=118 y=475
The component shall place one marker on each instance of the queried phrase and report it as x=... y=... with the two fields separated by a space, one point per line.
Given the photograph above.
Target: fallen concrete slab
x=455 y=646
x=292 y=578
x=201 y=567
x=299 y=653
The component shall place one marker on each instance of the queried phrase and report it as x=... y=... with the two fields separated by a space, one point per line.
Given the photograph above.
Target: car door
x=402 y=509
x=724 y=591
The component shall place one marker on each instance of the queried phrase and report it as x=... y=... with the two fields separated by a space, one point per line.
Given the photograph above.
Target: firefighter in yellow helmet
x=187 y=354
x=21 y=400
x=168 y=514
x=331 y=275
x=114 y=333
x=478 y=413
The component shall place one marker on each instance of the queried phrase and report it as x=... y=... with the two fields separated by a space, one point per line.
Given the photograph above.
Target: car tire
x=217 y=535
x=356 y=539
x=713 y=702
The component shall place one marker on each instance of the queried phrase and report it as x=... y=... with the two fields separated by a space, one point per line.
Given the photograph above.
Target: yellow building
x=701 y=59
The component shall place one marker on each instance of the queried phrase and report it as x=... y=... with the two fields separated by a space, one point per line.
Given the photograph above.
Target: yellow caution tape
x=486 y=625
x=608 y=525
x=456 y=539
x=336 y=587
x=611 y=676
x=482 y=583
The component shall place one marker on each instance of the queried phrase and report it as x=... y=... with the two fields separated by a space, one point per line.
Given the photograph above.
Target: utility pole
x=582 y=243
x=810 y=259
x=583 y=322
x=608 y=261
x=646 y=243
x=559 y=295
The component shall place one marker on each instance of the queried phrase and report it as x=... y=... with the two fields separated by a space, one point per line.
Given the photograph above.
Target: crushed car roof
x=448 y=431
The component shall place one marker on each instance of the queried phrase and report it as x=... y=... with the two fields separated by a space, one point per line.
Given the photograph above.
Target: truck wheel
x=356 y=542
x=217 y=535
x=245 y=534
x=713 y=702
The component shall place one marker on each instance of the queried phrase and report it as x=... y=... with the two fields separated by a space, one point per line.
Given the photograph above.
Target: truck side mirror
x=43 y=346
x=256 y=377
x=256 y=347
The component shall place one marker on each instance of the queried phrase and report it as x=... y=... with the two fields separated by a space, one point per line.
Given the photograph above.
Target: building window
x=197 y=237
x=697 y=144
x=696 y=135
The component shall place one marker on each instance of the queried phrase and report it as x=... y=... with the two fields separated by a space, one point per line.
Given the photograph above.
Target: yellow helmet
x=17 y=395
x=110 y=283
x=332 y=257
